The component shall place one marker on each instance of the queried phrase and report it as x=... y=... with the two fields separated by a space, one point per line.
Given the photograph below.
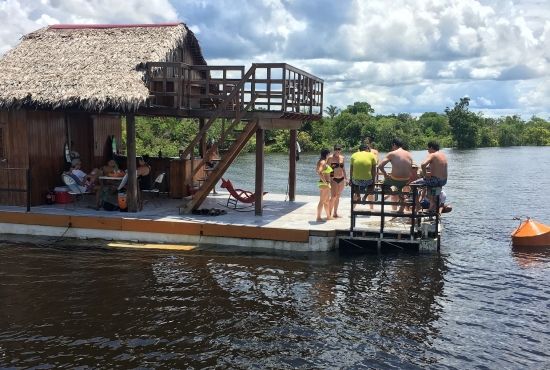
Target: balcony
x=275 y=90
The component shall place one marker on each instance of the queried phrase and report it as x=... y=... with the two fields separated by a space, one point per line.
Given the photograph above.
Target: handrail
x=216 y=113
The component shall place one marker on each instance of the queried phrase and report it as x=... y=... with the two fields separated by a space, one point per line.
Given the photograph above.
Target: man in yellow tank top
x=362 y=171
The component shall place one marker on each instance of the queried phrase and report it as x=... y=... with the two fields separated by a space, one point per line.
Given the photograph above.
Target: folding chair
x=157 y=185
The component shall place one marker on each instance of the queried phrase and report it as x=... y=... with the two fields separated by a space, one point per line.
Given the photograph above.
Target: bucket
x=122 y=204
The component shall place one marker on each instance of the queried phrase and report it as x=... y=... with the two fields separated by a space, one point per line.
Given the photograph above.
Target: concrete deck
x=284 y=225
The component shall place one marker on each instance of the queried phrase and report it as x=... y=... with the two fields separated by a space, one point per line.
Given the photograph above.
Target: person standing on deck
x=401 y=163
x=338 y=179
x=362 y=171
x=370 y=142
x=324 y=171
x=434 y=168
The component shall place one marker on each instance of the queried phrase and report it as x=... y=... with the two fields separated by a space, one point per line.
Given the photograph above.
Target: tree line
x=457 y=127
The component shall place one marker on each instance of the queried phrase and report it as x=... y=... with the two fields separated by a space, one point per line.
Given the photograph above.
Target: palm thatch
x=89 y=67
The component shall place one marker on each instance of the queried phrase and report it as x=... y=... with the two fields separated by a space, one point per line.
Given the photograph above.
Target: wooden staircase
x=230 y=143
x=213 y=175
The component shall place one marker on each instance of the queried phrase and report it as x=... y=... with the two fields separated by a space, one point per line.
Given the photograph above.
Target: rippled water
x=478 y=304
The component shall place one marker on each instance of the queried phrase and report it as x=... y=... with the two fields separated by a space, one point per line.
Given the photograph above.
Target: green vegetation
x=457 y=127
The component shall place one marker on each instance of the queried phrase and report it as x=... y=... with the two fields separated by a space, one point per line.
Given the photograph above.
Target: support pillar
x=132 y=192
x=292 y=167
x=202 y=142
x=260 y=139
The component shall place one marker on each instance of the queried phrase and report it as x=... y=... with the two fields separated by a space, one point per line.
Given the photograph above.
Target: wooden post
x=132 y=193
x=292 y=167
x=260 y=136
x=202 y=143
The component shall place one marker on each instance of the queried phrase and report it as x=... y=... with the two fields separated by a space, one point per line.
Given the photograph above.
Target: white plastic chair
x=74 y=189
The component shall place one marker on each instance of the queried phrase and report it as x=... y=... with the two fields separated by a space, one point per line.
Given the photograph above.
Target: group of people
x=90 y=183
x=365 y=168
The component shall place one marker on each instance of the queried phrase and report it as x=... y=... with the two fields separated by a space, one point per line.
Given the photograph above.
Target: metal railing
x=15 y=180
x=410 y=199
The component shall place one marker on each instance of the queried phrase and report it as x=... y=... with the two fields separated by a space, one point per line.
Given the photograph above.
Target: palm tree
x=332 y=111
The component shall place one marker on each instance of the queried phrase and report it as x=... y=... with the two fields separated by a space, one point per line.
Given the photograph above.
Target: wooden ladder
x=217 y=172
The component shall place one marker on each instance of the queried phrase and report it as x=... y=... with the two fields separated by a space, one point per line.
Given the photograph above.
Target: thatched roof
x=91 y=67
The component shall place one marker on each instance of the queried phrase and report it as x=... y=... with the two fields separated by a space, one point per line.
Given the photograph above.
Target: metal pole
x=28 y=189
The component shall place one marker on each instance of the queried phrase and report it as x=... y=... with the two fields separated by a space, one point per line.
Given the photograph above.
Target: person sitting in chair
x=143 y=171
x=87 y=182
x=112 y=170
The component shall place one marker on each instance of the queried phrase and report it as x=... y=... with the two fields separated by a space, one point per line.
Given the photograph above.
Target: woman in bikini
x=338 y=179
x=324 y=171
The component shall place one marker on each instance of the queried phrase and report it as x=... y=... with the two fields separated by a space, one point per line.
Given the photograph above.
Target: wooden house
x=70 y=86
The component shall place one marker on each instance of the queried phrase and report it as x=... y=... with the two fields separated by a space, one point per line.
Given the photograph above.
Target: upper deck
x=266 y=90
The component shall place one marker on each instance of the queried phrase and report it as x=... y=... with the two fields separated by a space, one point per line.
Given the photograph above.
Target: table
x=110 y=182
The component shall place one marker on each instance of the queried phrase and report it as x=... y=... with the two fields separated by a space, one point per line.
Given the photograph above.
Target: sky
x=400 y=56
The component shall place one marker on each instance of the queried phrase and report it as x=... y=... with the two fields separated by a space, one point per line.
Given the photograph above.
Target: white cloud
x=19 y=17
x=400 y=56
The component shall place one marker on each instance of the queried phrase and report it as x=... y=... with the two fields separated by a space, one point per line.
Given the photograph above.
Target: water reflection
x=532 y=257
x=271 y=306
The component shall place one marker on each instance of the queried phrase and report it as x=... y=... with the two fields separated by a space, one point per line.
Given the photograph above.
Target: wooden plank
x=255 y=232
x=278 y=123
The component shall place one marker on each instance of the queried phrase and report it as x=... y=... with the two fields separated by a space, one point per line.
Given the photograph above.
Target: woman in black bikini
x=338 y=178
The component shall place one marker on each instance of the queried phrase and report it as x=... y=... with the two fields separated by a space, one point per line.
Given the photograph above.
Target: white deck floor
x=277 y=213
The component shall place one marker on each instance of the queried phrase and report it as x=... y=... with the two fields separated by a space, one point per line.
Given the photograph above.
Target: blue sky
x=399 y=55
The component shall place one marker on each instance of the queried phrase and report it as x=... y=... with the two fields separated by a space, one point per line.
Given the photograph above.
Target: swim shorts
x=389 y=182
x=362 y=185
x=430 y=181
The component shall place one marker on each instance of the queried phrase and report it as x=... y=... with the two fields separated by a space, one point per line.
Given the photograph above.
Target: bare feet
x=319 y=219
x=335 y=216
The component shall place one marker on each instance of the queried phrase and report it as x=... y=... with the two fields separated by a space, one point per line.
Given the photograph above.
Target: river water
x=477 y=304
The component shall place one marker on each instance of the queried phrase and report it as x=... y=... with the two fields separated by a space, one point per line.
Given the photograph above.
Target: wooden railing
x=272 y=87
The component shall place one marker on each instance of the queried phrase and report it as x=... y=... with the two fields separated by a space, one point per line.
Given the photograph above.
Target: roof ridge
x=102 y=26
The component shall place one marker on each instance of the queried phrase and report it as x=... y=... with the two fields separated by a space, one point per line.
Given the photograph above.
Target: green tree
x=359 y=107
x=464 y=124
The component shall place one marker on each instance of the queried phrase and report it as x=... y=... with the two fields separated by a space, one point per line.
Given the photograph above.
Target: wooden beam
x=260 y=139
x=292 y=167
x=132 y=192
x=280 y=123
x=202 y=143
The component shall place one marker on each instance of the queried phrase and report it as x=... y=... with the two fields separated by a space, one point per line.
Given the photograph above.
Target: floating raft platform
x=284 y=225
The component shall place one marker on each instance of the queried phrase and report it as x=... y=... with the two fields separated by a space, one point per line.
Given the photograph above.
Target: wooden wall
x=46 y=139
x=80 y=131
x=15 y=147
x=103 y=127
x=37 y=139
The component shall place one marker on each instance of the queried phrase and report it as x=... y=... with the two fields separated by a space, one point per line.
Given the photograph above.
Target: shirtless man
x=401 y=162
x=436 y=162
x=434 y=168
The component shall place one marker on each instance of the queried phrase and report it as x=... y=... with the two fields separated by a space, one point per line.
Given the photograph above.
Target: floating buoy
x=531 y=234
